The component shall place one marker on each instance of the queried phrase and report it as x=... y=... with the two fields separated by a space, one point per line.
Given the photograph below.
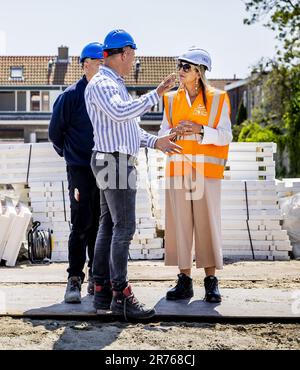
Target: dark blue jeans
x=116 y=179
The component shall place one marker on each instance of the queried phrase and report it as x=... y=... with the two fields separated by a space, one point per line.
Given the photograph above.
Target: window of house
x=39 y=101
x=7 y=101
x=21 y=101
x=45 y=101
x=16 y=73
x=35 y=101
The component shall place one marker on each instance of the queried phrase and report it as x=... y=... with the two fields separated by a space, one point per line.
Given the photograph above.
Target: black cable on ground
x=247 y=221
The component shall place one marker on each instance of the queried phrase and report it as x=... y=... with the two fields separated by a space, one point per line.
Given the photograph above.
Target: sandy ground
x=92 y=335
x=75 y=335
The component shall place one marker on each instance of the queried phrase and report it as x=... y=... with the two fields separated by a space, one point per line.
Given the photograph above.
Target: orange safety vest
x=207 y=159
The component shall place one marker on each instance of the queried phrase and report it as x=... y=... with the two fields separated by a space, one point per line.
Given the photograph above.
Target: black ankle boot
x=212 y=293
x=126 y=304
x=183 y=288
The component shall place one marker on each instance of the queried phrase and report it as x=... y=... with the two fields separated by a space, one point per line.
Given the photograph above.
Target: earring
x=197 y=87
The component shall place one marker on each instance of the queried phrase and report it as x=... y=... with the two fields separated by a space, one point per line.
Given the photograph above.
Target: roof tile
x=36 y=72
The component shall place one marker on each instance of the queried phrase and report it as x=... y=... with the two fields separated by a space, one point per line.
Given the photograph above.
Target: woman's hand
x=189 y=128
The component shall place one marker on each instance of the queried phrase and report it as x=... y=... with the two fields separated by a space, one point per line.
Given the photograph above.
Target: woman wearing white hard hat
x=200 y=116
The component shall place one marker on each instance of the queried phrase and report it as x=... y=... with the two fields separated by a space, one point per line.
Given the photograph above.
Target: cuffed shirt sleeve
x=222 y=135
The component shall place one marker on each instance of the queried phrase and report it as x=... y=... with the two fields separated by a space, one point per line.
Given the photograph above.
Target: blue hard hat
x=93 y=50
x=117 y=39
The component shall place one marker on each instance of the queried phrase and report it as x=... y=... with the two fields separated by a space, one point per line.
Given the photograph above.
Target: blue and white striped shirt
x=115 y=115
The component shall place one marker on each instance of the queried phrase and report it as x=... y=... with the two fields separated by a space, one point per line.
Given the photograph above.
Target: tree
x=278 y=117
x=284 y=18
x=292 y=121
x=241 y=114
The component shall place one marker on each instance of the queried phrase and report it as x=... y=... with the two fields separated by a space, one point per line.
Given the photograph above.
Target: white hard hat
x=197 y=56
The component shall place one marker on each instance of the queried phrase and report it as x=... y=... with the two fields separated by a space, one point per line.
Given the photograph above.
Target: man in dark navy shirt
x=71 y=133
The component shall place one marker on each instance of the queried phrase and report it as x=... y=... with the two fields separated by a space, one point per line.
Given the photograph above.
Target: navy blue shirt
x=70 y=128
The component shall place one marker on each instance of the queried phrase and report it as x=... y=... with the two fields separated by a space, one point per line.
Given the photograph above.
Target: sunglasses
x=185 y=66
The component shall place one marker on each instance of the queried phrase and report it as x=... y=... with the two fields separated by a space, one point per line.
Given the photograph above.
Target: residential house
x=29 y=86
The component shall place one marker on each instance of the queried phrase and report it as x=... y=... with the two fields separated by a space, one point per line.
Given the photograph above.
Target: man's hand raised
x=167 y=84
x=166 y=144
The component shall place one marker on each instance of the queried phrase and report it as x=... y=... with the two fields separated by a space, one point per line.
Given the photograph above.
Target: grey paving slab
x=37 y=301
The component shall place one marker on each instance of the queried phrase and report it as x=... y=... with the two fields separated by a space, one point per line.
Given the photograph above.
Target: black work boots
x=120 y=302
x=73 y=291
x=183 y=288
x=212 y=293
x=126 y=304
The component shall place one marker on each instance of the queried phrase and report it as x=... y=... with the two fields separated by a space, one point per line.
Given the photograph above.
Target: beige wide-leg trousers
x=193 y=221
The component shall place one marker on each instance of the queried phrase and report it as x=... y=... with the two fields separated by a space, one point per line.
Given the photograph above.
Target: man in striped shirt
x=117 y=136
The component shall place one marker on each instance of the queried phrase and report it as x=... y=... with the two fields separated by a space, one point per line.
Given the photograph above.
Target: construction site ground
x=260 y=310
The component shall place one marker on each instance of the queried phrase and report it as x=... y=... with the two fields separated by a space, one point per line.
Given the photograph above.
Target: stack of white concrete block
x=251 y=228
x=250 y=161
x=37 y=174
x=14 y=222
x=253 y=164
x=145 y=243
x=51 y=207
x=23 y=163
x=39 y=166
x=156 y=174
x=44 y=171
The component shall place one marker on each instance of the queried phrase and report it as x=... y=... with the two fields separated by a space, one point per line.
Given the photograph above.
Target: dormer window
x=16 y=73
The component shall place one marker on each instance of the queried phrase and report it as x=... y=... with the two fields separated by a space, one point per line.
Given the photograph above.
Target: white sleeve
x=222 y=135
x=107 y=97
x=165 y=128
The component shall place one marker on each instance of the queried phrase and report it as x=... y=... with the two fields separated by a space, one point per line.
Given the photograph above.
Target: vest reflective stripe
x=196 y=158
x=193 y=137
x=222 y=99
x=214 y=110
x=169 y=105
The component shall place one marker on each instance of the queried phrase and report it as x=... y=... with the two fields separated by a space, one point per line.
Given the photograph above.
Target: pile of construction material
x=14 y=221
x=250 y=214
x=288 y=191
x=250 y=161
x=37 y=173
x=145 y=243
x=251 y=219
x=24 y=163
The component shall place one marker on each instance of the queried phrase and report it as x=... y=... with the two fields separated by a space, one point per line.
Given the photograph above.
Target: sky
x=159 y=27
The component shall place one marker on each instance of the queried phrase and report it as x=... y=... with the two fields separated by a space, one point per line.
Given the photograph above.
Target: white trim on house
x=236 y=84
